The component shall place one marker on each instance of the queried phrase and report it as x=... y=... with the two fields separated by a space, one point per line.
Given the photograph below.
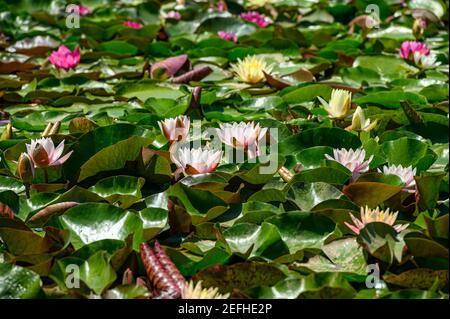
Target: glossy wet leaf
x=123 y=190
x=91 y=222
x=18 y=282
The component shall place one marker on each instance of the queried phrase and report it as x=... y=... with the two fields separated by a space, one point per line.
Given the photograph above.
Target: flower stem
x=46 y=175
x=27 y=190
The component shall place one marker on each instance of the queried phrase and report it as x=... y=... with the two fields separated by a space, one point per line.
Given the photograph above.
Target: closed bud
x=418 y=28
x=7 y=133
x=51 y=129
x=25 y=168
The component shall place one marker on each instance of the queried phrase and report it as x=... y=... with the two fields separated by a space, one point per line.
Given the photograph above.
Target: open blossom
x=251 y=69
x=43 y=152
x=339 y=104
x=80 y=9
x=198 y=292
x=360 y=123
x=374 y=215
x=133 y=25
x=175 y=129
x=408 y=48
x=406 y=174
x=425 y=61
x=174 y=15
x=229 y=36
x=242 y=135
x=257 y=18
x=196 y=160
x=63 y=58
x=352 y=159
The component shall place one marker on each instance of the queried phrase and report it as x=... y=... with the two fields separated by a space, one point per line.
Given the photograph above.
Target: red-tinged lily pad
x=241 y=276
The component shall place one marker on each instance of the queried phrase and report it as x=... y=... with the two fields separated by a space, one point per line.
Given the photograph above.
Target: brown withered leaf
x=242 y=276
x=421 y=278
x=197 y=74
x=44 y=214
x=13 y=67
x=170 y=67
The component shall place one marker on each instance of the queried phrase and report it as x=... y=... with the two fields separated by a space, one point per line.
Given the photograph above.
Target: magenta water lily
x=63 y=58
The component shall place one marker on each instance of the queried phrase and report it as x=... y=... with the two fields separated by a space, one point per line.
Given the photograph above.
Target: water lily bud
x=25 y=168
x=51 y=129
x=285 y=174
x=55 y=128
x=418 y=27
x=7 y=132
x=47 y=130
x=360 y=123
x=339 y=104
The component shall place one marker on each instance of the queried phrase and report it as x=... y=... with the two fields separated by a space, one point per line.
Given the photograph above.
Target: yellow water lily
x=251 y=69
x=360 y=123
x=339 y=104
x=259 y=3
x=198 y=292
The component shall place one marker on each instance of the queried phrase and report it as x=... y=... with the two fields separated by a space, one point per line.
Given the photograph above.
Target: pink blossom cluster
x=81 y=10
x=174 y=15
x=259 y=19
x=229 y=36
x=409 y=48
x=133 y=25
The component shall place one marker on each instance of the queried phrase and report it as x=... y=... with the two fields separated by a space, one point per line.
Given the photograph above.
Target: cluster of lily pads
x=224 y=149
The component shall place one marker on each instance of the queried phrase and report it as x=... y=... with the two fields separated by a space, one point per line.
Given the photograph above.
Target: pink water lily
x=43 y=152
x=259 y=19
x=242 y=135
x=63 y=58
x=78 y=8
x=82 y=10
x=196 y=160
x=229 y=36
x=174 y=15
x=133 y=25
x=175 y=129
x=222 y=6
x=408 y=48
x=352 y=159
x=374 y=215
x=406 y=174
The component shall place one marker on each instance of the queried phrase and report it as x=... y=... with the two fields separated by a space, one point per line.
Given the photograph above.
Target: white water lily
x=43 y=152
x=175 y=129
x=426 y=61
x=198 y=292
x=339 y=104
x=242 y=135
x=352 y=159
x=374 y=215
x=360 y=122
x=406 y=174
x=196 y=160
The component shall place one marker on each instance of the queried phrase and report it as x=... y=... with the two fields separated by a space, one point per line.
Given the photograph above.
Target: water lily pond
x=224 y=149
